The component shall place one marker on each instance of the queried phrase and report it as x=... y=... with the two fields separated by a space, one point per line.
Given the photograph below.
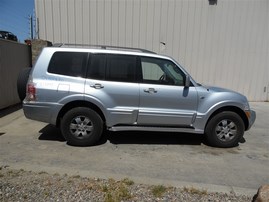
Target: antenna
x=31 y=27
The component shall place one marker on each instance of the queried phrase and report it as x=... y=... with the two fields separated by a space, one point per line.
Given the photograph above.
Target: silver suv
x=86 y=90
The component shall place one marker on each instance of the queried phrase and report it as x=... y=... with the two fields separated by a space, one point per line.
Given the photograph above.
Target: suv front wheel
x=82 y=126
x=225 y=129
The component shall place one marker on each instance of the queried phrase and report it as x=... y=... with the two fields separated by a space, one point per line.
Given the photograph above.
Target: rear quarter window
x=68 y=63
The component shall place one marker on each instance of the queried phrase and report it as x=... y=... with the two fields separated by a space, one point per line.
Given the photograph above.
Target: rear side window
x=97 y=68
x=121 y=68
x=68 y=63
x=112 y=67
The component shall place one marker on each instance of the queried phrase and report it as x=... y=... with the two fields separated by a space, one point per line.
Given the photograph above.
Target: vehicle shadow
x=52 y=133
x=158 y=138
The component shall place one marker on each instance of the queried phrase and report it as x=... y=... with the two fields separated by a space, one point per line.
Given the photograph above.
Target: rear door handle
x=97 y=86
x=150 y=90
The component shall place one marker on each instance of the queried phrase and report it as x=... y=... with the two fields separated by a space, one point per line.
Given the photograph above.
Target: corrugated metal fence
x=13 y=57
x=224 y=44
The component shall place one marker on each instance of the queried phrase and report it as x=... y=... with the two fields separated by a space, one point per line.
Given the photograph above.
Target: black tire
x=82 y=126
x=225 y=130
x=22 y=82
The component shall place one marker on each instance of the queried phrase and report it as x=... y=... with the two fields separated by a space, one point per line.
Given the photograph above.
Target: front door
x=164 y=101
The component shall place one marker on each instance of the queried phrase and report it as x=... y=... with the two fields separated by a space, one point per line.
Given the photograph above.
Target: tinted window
x=159 y=71
x=67 y=63
x=121 y=68
x=97 y=67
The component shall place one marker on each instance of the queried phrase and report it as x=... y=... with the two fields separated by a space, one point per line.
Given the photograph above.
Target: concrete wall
x=224 y=44
x=13 y=57
x=37 y=46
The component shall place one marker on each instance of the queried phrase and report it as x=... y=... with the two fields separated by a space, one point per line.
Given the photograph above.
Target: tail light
x=31 y=92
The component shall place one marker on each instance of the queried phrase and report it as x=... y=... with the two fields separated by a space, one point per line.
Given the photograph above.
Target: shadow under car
x=52 y=133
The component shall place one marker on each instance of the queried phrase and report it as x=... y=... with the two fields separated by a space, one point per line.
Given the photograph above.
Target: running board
x=156 y=129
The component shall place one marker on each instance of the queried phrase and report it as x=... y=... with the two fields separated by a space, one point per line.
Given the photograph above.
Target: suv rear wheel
x=82 y=126
x=225 y=129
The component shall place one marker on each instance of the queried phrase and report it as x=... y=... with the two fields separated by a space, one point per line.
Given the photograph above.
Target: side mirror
x=187 y=81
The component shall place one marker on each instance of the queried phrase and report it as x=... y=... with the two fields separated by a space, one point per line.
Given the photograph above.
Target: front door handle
x=97 y=86
x=150 y=90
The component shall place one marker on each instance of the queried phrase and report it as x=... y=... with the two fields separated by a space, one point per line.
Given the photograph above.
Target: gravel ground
x=20 y=185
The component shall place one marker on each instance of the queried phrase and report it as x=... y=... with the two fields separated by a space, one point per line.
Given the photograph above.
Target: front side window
x=159 y=71
x=68 y=63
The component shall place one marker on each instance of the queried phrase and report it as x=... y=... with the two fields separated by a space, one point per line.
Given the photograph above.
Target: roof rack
x=102 y=47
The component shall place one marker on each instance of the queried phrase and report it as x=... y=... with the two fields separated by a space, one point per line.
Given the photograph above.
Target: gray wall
x=13 y=57
x=224 y=44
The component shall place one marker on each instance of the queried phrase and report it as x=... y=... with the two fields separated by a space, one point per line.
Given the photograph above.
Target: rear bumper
x=251 y=119
x=41 y=112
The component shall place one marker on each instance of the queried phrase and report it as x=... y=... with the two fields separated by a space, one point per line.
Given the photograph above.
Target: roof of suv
x=104 y=47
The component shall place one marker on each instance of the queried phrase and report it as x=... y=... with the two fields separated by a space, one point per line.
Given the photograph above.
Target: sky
x=14 y=17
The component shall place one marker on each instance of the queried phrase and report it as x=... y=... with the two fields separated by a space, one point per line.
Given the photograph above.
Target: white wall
x=224 y=44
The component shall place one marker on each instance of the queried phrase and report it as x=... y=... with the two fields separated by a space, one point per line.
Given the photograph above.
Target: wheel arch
x=75 y=104
x=237 y=110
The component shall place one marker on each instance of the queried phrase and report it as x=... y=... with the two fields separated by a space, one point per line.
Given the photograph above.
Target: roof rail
x=102 y=47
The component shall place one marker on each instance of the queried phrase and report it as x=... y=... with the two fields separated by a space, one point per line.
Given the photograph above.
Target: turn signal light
x=248 y=114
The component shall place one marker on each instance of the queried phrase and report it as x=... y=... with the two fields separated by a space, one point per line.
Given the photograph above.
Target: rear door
x=112 y=83
x=164 y=101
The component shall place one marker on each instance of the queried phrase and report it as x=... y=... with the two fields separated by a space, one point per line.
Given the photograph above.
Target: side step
x=156 y=129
